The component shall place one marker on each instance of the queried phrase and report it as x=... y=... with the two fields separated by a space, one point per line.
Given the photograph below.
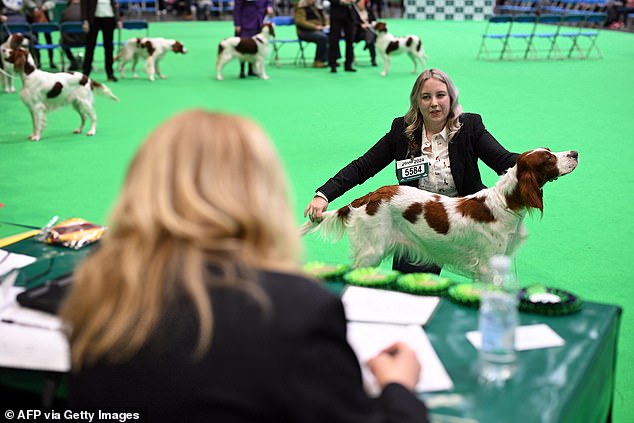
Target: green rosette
x=540 y=299
x=467 y=294
x=423 y=284
x=325 y=271
x=372 y=277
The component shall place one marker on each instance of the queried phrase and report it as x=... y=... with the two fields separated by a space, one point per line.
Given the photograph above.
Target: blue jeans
x=321 y=39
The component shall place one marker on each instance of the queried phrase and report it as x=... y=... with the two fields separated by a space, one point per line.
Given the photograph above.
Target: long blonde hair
x=414 y=117
x=204 y=189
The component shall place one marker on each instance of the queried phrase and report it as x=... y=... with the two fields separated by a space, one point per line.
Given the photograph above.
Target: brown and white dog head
x=13 y=42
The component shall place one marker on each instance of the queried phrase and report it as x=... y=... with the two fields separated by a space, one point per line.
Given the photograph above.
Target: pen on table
x=32 y=325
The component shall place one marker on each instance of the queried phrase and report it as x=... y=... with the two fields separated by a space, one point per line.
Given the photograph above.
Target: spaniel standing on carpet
x=7 y=75
x=460 y=233
x=44 y=91
x=152 y=50
x=248 y=49
x=387 y=45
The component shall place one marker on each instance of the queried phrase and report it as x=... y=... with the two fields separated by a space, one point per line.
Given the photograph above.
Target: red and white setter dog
x=387 y=45
x=152 y=50
x=7 y=75
x=459 y=233
x=44 y=91
x=246 y=49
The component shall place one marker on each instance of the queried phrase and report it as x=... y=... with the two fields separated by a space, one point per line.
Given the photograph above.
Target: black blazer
x=289 y=362
x=470 y=143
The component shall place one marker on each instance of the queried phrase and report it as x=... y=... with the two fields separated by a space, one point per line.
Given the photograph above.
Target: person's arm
x=488 y=149
x=328 y=382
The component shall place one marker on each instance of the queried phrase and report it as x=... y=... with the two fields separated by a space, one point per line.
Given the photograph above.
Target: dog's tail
x=331 y=227
x=103 y=90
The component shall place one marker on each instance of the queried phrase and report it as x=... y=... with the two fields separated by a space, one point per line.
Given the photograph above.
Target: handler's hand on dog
x=315 y=208
x=396 y=364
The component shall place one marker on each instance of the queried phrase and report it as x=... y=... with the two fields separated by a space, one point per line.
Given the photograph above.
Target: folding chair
x=132 y=25
x=576 y=21
x=523 y=29
x=45 y=28
x=503 y=25
x=596 y=19
x=286 y=21
x=13 y=28
x=553 y=24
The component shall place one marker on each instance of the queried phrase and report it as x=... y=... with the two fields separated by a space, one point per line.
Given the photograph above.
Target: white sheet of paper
x=13 y=261
x=379 y=305
x=368 y=339
x=527 y=337
x=24 y=347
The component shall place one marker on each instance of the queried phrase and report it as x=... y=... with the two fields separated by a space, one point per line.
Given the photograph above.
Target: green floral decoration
x=325 y=271
x=424 y=284
x=549 y=301
x=372 y=277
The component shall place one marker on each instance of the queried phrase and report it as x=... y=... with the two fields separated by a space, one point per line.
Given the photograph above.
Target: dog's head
x=380 y=27
x=538 y=166
x=20 y=59
x=178 y=47
x=268 y=29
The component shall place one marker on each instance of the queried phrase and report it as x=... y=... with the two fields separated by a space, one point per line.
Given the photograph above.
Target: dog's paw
x=77 y=131
x=219 y=77
x=90 y=133
x=34 y=137
x=163 y=76
x=383 y=73
x=265 y=77
x=135 y=75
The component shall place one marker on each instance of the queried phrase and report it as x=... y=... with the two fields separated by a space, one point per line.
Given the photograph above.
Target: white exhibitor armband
x=411 y=169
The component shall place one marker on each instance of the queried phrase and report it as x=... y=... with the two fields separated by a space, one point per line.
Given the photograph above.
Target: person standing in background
x=341 y=19
x=99 y=15
x=248 y=17
x=38 y=11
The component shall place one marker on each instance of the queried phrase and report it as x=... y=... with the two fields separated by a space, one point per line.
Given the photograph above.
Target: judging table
x=573 y=383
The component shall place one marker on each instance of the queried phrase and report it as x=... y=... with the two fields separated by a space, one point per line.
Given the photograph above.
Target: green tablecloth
x=569 y=384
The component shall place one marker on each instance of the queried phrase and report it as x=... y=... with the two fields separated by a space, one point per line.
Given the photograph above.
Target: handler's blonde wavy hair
x=414 y=118
x=204 y=189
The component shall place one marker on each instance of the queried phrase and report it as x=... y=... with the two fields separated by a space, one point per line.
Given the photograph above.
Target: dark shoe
x=350 y=69
x=112 y=78
x=333 y=70
x=53 y=66
x=252 y=73
x=374 y=63
x=242 y=75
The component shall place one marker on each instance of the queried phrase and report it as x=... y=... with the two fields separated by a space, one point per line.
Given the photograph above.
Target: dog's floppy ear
x=530 y=190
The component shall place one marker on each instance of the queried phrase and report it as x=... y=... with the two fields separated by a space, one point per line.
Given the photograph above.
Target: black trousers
x=336 y=26
x=106 y=26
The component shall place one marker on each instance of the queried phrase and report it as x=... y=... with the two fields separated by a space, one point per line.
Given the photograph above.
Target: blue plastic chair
x=278 y=43
x=502 y=24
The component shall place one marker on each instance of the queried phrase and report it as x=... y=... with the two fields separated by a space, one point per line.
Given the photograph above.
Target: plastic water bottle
x=498 y=321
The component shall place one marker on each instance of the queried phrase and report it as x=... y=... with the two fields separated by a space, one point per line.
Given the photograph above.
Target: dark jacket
x=309 y=17
x=470 y=143
x=288 y=363
x=72 y=13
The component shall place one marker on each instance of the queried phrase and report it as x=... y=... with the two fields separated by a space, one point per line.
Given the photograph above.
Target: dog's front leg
x=220 y=63
x=38 y=115
x=135 y=59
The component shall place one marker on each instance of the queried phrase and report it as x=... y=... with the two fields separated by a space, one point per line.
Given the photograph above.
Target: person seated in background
x=72 y=13
x=364 y=28
x=310 y=22
x=194 y=307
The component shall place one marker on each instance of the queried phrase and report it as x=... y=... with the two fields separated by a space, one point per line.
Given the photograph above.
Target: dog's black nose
x=573 y=154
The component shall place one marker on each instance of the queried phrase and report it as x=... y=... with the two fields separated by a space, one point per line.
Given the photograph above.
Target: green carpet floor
x=320 y=121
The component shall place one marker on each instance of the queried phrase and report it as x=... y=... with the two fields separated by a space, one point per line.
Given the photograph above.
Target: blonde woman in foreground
x=193 y=309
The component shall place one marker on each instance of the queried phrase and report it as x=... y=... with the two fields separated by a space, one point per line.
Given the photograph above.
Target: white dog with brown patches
x=152 y=50
x=387 y=45
x=248 y=49
x=461 y=233
x=7 y=75
x=44 y=91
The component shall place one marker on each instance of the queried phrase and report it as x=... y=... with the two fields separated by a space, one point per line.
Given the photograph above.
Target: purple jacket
x=249 y=15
